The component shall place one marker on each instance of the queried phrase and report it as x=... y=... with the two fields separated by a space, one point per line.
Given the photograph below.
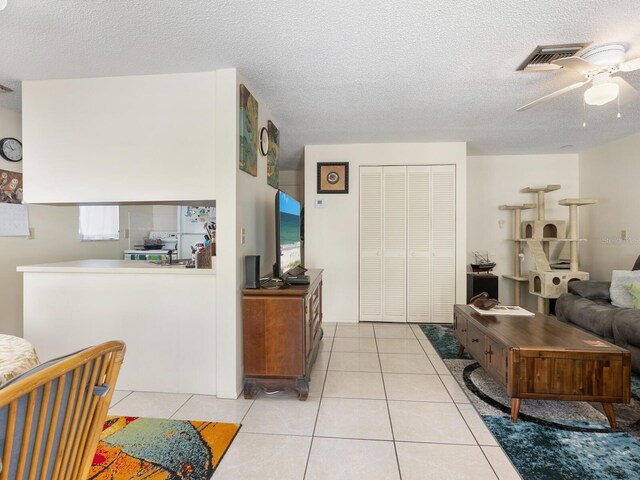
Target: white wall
x=245 y=202
x=120 y=139
x=497 y=180
x=292 y=183
x=610 y=174
x=331 y=233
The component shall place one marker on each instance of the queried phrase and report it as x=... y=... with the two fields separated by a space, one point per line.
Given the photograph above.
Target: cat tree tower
x=545 y=282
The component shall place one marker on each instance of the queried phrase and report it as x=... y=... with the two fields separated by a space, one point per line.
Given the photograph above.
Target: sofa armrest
x=590 y=289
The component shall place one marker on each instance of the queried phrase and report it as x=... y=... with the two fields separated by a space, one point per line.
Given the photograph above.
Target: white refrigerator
x=191 y=222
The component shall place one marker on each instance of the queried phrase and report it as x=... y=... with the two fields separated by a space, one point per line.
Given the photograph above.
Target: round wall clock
x=264 y=141
x=11 y=149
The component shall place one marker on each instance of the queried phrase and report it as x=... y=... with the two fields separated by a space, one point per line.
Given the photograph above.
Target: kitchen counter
x=115 y=266
x=166 y=315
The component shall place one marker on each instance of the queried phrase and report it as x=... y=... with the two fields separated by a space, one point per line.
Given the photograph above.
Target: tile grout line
x=386 y=400
x=182 y=405
x=459 y=411
x=253 y=400
x=114 y=404
x=315 y=424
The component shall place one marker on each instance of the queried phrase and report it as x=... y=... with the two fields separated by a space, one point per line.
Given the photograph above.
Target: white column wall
x=243 y=202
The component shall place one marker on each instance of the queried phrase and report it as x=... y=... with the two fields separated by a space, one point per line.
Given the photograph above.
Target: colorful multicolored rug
x=159 y=449
x=552 y=440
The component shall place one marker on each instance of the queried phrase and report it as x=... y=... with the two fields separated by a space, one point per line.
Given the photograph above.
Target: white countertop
x=115 y=266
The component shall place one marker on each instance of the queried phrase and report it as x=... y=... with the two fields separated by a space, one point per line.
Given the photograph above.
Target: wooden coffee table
x=541 y=358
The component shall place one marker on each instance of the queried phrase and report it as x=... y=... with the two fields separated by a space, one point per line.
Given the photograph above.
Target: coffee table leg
x=611 y=415
x=515 y=409
x=460 y=351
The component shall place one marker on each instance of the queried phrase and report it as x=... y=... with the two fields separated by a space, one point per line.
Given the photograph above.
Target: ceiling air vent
x=541 y=58
x=4 y=89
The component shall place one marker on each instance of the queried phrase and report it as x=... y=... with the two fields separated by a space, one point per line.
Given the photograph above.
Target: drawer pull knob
x=474 y=340
x=488 y=352
x=463 y=330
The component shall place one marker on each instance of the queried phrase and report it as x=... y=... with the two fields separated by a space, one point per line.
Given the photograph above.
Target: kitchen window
x=99 y=222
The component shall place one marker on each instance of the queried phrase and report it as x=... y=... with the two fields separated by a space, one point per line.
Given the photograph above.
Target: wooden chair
x=51 y=417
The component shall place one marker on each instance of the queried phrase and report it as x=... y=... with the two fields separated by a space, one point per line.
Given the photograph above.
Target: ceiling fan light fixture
x=601 y=93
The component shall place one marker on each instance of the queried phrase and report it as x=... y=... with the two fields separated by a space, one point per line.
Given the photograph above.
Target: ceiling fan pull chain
x=584 y=113
x=619 y=106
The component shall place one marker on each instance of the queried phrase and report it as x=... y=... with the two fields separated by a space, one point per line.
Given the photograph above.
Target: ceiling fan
x=598 y=65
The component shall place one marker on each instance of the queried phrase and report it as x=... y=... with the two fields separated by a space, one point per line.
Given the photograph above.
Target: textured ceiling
x=335 y=71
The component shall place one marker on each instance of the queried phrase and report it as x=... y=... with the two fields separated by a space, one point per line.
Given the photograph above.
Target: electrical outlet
x=32 y=234
x=243 y=236
x=319 y=203
x=126 y=233
x=623 y=234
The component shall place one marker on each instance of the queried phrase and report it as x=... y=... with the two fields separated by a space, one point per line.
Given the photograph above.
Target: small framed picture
x=333 y=177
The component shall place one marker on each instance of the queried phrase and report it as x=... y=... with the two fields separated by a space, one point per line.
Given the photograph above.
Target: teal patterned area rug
x=552 y=440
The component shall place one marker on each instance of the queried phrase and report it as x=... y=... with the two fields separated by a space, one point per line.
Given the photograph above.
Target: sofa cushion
x=594 y=316
x=590 y=289
x=620 y=296
x=626 y=333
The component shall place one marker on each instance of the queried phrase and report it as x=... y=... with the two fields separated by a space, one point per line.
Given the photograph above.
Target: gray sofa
x=588 y=306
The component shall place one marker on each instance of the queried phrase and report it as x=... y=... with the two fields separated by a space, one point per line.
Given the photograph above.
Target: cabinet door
x=394 y=290
x=476 y=344
x=370 y=244
x=443 y=243
x=497 y=361
x=419 y=244
x=460 y=329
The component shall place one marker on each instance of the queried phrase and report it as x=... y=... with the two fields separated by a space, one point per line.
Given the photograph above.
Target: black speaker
x=252 y=271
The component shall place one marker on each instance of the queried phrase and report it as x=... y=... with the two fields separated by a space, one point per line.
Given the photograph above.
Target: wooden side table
x=482 y=282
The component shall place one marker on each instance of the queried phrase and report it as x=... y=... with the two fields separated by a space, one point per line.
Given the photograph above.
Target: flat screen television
x=288 y=242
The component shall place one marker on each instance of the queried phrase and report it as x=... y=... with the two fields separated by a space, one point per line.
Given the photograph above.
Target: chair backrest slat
x=64 y=436
x=57 y=403
x=73 y=425
x=11 y=426
x=42 y=418
x=81 y=417
x=26 y=436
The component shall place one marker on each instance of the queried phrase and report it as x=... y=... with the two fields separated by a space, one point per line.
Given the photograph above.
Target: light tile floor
x=382 y=405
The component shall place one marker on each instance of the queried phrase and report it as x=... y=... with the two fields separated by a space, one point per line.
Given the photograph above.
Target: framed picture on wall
x=333 y=177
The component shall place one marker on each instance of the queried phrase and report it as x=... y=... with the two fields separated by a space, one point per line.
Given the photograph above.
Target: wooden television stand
x=282 y=329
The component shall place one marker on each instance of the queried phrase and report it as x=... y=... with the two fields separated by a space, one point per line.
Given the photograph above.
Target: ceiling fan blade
x=630 y=66
x=627 y=91
x=576 y=63
x=557 y=93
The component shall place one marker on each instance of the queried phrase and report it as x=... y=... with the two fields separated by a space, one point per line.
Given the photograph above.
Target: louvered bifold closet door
x=419 y=244
x=394 y=238
x=370 y=244
x=443 y=240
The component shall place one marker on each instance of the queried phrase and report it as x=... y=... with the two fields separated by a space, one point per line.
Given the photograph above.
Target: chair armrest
x=590 y=289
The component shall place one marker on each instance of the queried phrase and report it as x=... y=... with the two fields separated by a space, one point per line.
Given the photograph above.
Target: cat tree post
x=540 y=191
x=517 y=247
x=573 y=204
